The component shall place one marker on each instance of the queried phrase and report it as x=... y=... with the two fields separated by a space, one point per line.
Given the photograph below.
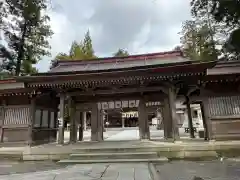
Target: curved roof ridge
x=125 y=58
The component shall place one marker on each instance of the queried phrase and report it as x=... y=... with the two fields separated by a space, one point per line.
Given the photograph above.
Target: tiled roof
x=119 y=62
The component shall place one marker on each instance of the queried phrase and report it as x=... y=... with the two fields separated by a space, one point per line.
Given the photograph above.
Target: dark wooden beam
x=118 y=91
x=119 y=97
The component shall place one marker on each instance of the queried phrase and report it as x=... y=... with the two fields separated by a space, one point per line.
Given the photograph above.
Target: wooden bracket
x=192 y=90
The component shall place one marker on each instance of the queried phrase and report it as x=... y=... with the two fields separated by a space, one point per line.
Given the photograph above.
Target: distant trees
x=177 y=48
x=121 y=53
x=214 y=30
x=78 y=51
x=197 y=41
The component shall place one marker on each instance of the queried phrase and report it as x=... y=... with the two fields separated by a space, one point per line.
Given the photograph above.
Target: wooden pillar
x=73 y=120
x=100 y=125
x=80 y=117
x=167 y=122
x=123 y=122
x=172 y=108
x=3 y=108
x=84 y=119
x=103 y=120
x=31 y=119
x=143 y=120
x=61 y=127
x=190 y=121
x=94 y=122
x=206 y=119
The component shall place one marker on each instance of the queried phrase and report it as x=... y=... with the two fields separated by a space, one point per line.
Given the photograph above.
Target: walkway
x=118 y=134
x=89 y=172
x=131 y=134
x=183 y=170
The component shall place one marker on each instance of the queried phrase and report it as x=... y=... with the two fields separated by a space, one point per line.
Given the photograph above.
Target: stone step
x=115 y=155
x=91 y=161
x=115 y=149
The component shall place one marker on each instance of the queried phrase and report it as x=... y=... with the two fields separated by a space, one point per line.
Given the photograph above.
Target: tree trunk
x=21 y=51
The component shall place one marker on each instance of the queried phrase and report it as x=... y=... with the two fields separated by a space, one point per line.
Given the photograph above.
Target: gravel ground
x=206 y=170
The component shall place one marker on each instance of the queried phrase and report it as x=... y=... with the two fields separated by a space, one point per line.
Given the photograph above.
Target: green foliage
x=232 y=45
x=177 y=48
x=87 y=48
x=227 y=15
x=197 y=41
x=222 y=11
x=26 y=33
x=75 y=52
x=121 y=53
x=78 y=51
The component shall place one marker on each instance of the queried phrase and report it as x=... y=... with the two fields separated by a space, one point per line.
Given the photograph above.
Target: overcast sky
x=139 y=26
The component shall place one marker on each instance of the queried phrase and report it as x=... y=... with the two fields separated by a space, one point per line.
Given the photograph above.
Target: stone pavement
x=118 y=134
x=200 y=170
x=131 y=134
x=88 y=172
x=174 y=170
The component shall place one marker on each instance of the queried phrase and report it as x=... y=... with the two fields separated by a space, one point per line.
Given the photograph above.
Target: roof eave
x=48 y=77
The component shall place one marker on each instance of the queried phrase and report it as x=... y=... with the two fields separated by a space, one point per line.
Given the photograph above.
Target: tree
x=60 y=56
x=197 y=42
x=78 y=51
x=222 y=11
x=226 y=13
x=177 y=48
x=26 y=33
x=7 y=63
x=121 y=53
x=87 y=47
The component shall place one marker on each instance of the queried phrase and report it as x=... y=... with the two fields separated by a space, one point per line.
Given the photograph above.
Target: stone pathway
x=88 y=172
x=208 y=170
x=118 y=134
x=125 y=135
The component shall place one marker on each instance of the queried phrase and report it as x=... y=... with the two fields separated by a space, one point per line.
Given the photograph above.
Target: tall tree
x=121 y=53
x=87 y=47
x=26 y=32
x=78 y=51
x=197 y=42
x=224 y=13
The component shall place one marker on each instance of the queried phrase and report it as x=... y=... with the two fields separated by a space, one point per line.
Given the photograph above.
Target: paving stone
x=208 y=170
x=111 y=173
x=126 y=173
x=142 y=173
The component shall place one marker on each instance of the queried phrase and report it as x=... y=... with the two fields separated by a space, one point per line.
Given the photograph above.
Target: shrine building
x=33 y=107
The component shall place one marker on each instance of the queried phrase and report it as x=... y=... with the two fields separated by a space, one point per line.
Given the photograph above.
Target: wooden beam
x=119 y=97
x=118 y=91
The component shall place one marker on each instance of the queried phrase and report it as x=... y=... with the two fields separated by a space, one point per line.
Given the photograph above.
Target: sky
x=138 y=26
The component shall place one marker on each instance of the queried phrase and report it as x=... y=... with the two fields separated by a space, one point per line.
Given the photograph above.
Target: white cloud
x=140 y=26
